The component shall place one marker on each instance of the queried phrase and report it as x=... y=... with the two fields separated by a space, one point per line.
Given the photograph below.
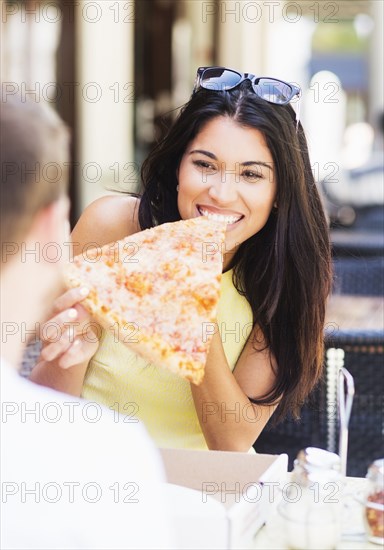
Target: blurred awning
x=351 y=68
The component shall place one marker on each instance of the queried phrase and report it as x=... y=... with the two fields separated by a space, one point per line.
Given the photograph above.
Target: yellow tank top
x=120 y=379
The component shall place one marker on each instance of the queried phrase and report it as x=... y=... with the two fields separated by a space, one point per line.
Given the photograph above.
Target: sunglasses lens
x=219 y=79
x=273 y=91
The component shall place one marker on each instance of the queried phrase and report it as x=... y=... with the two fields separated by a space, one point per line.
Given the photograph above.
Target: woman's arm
x=229 y=421
x=65 y=356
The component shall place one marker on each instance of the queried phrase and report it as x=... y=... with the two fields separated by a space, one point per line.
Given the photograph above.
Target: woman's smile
x=229 y=217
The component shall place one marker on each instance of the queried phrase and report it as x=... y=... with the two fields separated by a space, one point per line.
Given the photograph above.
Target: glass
x=374 y=503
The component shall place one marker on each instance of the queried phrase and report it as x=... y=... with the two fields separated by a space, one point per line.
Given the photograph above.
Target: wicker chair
x=30 y=357
x=359 y=243
x=291 y=435
x=361 y=353
x=363 y=357
x=359 y=276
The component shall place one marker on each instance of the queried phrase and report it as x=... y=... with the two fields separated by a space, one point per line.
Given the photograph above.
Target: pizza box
x=220 y=499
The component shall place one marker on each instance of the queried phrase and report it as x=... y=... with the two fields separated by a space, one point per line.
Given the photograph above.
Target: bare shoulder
x=105 y=220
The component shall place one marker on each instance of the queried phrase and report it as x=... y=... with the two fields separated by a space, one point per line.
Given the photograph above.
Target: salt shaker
x=311 y=507
x=374 y=504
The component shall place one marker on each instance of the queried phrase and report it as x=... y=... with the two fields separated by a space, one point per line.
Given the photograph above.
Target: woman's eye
x=250 y=175
x=204 y=165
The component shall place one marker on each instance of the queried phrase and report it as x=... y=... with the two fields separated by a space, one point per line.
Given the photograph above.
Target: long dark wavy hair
x=284 y=270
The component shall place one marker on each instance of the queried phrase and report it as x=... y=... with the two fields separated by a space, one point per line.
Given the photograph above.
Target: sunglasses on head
x=221 y=79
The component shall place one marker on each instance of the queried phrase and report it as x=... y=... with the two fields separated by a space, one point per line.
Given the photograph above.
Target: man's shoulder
x=79 y=435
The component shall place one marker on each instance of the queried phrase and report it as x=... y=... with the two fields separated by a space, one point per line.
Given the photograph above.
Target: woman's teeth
x=219 y=217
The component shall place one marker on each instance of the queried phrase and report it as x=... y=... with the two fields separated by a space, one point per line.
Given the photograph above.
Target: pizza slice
x=158 y=291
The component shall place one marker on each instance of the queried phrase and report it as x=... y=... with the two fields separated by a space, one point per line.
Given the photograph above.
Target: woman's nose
x=224 y=186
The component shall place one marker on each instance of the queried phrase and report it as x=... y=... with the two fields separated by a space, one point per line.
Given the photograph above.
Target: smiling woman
x=236 y=153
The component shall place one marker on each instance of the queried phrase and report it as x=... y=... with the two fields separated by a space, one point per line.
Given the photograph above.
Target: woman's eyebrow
x=206 y=153
x=258 y=163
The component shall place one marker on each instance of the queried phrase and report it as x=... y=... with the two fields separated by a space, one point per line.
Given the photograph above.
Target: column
x=241 y=33
x=105 y=98
x=192 y=45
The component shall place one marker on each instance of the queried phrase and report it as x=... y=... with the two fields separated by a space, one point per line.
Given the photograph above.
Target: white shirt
x=75 y=474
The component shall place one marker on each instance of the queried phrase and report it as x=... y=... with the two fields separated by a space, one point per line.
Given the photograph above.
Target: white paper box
x=218 y=499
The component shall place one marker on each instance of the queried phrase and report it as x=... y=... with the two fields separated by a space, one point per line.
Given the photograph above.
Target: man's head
x=34 y=214
x=34 y=164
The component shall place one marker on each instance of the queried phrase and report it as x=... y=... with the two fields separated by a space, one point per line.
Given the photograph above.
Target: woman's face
x=227 y=173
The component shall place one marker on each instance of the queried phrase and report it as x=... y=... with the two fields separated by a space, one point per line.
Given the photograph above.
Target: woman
x=236 y=151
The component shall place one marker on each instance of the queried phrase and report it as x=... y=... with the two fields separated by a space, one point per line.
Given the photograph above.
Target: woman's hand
x=70 y=337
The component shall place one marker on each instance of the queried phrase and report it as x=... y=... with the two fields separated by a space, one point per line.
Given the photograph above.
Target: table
x=270 y=536
x=346 y=312
x=359 y=243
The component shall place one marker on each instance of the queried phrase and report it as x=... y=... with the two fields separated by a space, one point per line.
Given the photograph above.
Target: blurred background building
x=117 y=70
